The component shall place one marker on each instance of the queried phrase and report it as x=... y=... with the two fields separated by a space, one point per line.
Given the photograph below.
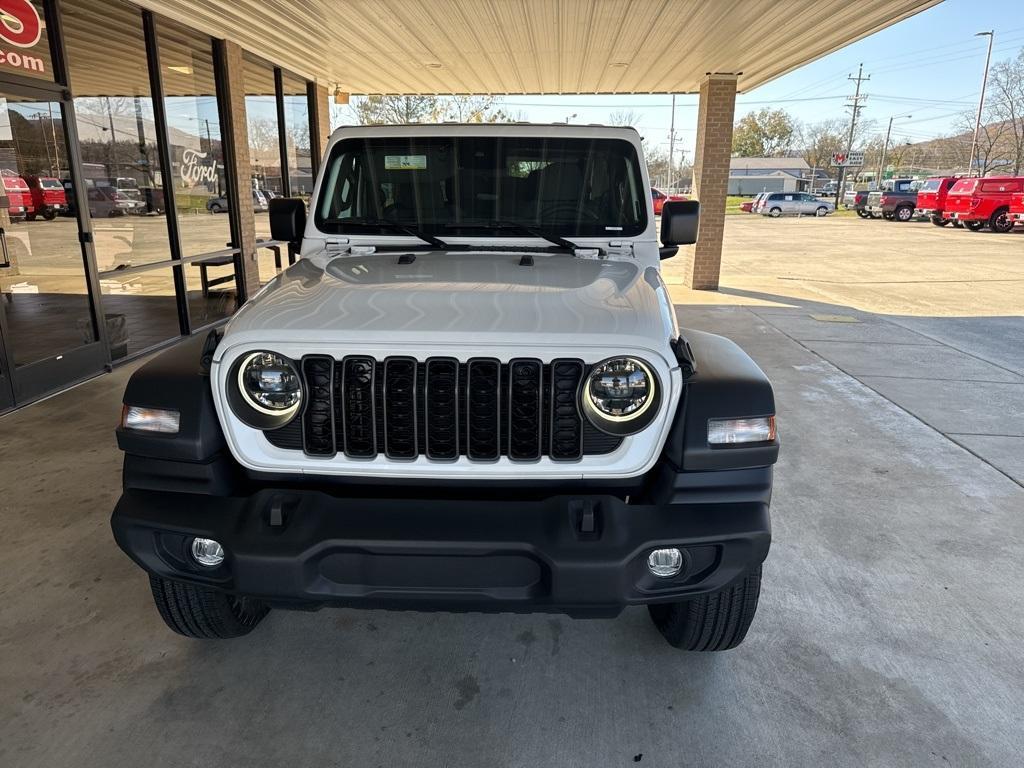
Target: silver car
x=795 y=204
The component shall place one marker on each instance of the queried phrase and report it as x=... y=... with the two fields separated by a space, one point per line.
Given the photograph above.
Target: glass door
x=50 y=336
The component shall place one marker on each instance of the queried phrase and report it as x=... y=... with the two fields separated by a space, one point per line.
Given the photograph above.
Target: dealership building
x=140 y=142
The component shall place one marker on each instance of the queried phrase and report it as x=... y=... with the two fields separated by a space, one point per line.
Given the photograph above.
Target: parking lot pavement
x=931 y=318
x=888 y=634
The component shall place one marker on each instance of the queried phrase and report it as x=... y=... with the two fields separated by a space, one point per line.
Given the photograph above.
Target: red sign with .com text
x=20 y=27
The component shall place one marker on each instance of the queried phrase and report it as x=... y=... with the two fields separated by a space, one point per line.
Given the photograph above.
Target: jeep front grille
x=442 y=409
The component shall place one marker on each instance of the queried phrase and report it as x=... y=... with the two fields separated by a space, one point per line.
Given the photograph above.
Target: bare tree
x=394 y=110
x=627 y=118
x=1007 y=106
x=820 y=140
x=992 y=149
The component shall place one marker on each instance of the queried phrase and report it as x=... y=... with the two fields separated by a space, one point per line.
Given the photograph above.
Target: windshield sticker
x=405 y=162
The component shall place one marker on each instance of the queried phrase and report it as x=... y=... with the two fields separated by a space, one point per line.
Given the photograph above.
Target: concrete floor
x=890 y=629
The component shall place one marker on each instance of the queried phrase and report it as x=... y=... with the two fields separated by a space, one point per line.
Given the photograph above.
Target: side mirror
x=680 y=220
x=287 y=219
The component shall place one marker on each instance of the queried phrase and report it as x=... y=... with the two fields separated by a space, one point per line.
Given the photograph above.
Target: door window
x=45 y=295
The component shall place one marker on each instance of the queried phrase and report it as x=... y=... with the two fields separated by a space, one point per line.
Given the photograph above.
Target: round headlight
x=620 y=395
x=268 y=390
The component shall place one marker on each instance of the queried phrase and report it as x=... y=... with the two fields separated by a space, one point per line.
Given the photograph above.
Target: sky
x=929 y=66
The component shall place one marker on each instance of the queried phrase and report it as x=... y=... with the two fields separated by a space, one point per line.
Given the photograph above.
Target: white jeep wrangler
x=469 y=393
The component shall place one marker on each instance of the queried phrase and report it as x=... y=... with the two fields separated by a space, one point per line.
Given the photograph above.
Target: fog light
x=665 y=563
x=207 y=552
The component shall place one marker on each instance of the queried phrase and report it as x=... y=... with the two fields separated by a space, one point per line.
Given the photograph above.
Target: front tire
x=202 y=613
x=974 y=226
x=715 y=622
x=939 y=222
x=862 y=214
x=821 y=211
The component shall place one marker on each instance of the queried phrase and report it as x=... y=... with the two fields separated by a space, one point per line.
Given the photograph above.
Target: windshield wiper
x=394 y=226
x=512 y=226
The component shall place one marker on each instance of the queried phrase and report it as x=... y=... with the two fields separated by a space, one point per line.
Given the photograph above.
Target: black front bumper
x=577 y=554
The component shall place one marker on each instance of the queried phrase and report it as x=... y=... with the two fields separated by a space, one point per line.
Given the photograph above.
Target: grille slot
x=525 y=403
x=483 y=410
x=399 y=403
x=358 y=410
x=443 y=409
x=566 y=422
x=441 y=396
x=318 y=415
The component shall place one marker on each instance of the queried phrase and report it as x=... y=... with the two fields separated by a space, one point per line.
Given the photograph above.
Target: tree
x=401 y=110
x=992 y=150
x=394 y=110
x=820 y=140
x=1007 y=106
x=625 y=118
x=765 y=133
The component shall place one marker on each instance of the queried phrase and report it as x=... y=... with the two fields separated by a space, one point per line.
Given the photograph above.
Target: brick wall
x=711 y=179
x=241 y=173
x=323 y=113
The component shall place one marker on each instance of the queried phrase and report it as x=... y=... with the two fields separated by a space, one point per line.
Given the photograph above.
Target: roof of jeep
x=498 y=129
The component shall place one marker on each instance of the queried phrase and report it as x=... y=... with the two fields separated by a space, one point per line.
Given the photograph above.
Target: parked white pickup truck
x=470 y=393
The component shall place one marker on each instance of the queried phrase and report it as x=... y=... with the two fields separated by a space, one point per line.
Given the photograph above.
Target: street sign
x=847 y=159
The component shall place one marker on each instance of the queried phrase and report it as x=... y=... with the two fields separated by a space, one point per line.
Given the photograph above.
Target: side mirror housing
x=287 y=219
x=680 y=221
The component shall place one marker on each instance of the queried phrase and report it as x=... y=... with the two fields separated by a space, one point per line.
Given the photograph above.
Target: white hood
x=460 y=297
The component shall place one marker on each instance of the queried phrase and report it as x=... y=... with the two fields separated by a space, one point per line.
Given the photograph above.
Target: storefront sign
x=21 y=27
x=196 y=169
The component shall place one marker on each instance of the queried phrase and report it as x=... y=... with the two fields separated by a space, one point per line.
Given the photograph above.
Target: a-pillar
x=711 y=178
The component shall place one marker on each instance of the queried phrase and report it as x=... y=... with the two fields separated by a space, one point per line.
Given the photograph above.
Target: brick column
x=240 y=168
x=323 y=120
x=711 y=179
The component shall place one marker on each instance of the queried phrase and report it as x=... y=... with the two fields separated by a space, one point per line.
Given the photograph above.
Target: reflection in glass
x=264 y=135
x=122 y=174
x=196 y=147
x=141 y=311
x=212 y=291
x=43 y=290
x=296 y=126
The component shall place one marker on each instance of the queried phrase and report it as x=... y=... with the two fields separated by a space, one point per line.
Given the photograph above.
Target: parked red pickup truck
x=19 y=197
x=984 y=202
x=931 y=198
x=48 y=197
x=1017 y=208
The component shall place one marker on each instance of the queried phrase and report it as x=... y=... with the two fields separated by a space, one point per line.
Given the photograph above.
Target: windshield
x=453 y=185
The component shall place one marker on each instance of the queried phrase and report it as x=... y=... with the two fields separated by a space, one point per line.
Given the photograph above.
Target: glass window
x=122 y=174
x=42 y=280
x=212 y=293
x=194 y=132
x=264 y=136
x=570 y=186
x=296 y=126
x=24 y=44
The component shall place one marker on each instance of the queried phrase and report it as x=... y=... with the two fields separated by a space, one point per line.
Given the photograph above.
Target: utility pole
x=672 y=144
x=885 y=146
x=981 y=102
x=855 y=107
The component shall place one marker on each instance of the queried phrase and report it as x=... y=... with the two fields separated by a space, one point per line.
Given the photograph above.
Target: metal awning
x=537 y=46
